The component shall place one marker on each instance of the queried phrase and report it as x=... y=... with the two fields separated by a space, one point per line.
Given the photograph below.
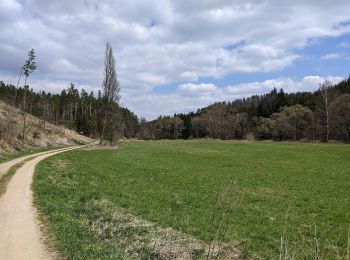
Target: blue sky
x=177 y=56
x=313 y=61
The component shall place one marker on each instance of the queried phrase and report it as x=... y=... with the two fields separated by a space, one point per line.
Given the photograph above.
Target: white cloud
x=161 y=42
x=190 y=88
x=331 y=56
x=9 y=10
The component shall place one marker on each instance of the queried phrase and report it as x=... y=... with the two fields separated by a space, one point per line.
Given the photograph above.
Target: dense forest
x=323 y=115
x=71 y=108
x=304 y=116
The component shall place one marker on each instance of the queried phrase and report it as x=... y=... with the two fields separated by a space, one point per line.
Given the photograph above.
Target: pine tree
x=28 y=67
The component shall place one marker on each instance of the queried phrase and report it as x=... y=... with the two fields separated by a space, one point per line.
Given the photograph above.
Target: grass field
x=265 y=199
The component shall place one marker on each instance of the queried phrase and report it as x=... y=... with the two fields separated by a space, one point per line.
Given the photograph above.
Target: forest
x=322 y=115
x=72 y=108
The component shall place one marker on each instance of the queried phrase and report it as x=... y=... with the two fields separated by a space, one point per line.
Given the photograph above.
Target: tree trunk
x=15 y=97
x=24 y=127
x=327 y=117
x=24 y=110
x=102 y=133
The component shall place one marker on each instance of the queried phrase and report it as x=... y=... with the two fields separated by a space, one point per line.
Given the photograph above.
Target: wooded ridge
x=322 y=115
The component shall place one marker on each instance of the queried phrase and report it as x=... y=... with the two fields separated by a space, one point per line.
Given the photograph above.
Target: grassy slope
x=307 y=183
x=47 y=134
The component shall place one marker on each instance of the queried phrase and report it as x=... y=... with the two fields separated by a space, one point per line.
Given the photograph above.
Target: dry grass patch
x=96 y=146
x=140 y=238
x=38 y=132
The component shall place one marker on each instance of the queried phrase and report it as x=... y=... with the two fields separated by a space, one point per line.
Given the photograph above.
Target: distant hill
x=38 y=132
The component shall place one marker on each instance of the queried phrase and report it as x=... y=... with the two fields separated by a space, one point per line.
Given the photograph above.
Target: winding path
x=20 y=235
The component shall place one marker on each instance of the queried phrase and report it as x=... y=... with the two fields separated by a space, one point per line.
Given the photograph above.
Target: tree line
x=72 y=108
x=322 y=115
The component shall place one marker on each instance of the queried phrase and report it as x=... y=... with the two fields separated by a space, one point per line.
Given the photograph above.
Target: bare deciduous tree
x=292 y=123
x=325 y=90
x=340 y=109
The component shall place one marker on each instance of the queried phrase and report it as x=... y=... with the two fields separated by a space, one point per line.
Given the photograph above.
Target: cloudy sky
x=177 y=56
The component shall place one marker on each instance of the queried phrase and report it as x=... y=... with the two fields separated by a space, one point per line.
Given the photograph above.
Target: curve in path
x=4 y=167
x=20 y=235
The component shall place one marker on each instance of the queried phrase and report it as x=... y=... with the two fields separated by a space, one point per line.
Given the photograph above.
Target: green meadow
x=266 y=200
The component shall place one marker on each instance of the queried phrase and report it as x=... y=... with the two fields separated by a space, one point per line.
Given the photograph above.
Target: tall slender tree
x=110 y=92
x=28 y=67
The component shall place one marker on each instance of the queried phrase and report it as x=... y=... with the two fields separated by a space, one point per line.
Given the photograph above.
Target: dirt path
x=4 y=167
x=20 y=235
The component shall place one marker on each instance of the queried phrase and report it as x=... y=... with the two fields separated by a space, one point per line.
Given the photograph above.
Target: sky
x=177 y=56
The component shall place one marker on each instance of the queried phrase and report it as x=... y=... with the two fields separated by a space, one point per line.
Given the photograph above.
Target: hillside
x=38 y=132
x=322 y=115
x=72 y=108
